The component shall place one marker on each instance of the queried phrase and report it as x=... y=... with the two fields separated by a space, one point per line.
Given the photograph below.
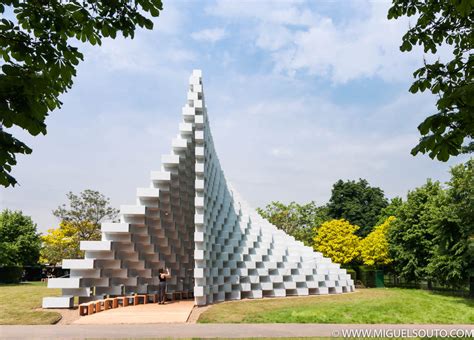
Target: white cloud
x=171 y=19
x=300 y=39
x=289 y=12
x=281 y=152
x=358 y=49
x=147 y=53
x=209 y=35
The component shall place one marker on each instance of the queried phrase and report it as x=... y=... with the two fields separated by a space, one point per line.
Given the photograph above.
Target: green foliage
x=336 y=239
x=19 y=241
x=39 y=62
x=451 y=129
x=453 y=229
x=411 y=237
x=358 y=203
x=85 y=212
x=11 y=274
x=390 y=210
x=295 y=219
x=80 y=221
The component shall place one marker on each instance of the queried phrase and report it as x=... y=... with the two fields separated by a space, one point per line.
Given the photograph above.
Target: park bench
x=86 y=308
x=122 y=301
x=153 y=297
x=144 y=298
x=97 y=306
x=177 y=295
x=110 y=303
x=132 y=299
x=188 y=294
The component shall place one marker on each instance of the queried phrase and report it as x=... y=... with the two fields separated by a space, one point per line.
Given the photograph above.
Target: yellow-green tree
x=61 y=243
x=336 y=239
x=374 y=249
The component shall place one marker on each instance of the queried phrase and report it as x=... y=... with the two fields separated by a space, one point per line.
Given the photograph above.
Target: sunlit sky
x=299 y=95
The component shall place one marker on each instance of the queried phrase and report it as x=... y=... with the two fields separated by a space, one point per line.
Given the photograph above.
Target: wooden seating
x=86 y=308
x=110 y=303
x=133 y=299
x=97 y=306
x=122 y=301
x=153 y=296
x=188 y=294
x=143 y=297
x=177 y=294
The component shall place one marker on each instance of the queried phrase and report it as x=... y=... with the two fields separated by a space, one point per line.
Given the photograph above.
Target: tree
x=390 y=210
x=451 y=129
x=411 y=238
x=79 y=221
x=453 y=230
x=374 y=249
x=336 y=239
x=39 y=60
x=358 y=203
x=19 y=241
x=297 y=220
x=61 y=243
x=85 y=212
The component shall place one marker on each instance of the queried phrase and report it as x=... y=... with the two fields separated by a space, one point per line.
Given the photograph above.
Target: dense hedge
x=10 y=274
x=370 y=277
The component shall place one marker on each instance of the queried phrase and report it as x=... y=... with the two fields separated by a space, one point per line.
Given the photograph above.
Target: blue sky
x=299 y=95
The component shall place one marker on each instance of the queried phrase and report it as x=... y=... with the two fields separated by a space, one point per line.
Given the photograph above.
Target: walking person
x=163 y=275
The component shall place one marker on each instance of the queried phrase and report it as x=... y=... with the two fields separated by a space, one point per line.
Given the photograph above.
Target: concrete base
x=58 y=302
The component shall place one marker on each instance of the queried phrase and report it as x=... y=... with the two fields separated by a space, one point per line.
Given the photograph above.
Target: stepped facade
x=193 y=222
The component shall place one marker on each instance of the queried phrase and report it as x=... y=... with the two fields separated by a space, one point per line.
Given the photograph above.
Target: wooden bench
x=177 y=294
x=188 y=294
x=169 y=296
x=153 y=296
x=144 y=298
x=133 y=298
x=122 y=301
x=86 y=308
x=98 y=305
x=110 y=303
x=92 y=307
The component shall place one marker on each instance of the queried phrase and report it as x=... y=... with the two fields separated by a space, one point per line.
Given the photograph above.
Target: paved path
x=202 y=330
x=141 y=314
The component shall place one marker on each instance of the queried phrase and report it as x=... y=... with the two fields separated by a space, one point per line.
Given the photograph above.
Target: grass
x=19 y=301
x=369 y=306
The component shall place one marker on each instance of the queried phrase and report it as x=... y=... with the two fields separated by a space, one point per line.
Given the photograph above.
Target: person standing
x=163 y=275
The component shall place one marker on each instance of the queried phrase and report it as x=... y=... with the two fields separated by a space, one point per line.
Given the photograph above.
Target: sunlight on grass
x=369 y=306
x=19 y=301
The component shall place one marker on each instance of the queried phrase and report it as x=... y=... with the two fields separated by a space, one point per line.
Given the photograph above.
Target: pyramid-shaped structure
x=193 y=222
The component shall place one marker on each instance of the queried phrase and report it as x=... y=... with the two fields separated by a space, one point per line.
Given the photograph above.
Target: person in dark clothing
x=163 y=275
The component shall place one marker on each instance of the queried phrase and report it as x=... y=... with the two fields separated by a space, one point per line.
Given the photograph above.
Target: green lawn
x=19 y=301
x=381 y=305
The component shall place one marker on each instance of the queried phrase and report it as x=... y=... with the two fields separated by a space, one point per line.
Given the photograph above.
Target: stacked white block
x=190 y=220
